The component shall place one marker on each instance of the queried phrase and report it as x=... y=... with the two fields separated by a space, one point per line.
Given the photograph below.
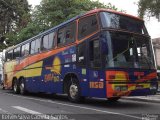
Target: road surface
x=42 y=106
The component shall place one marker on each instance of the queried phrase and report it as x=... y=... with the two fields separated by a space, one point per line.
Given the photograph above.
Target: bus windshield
x=125 y=50
x=115 y=21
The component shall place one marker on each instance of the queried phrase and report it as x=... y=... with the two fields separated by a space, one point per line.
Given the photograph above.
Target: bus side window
x=94 y=54
x=61 y=40
x=51 y=40
x=10 y=55
x=48 y=41
x=25 y=50
x=87 y=26
x=16 y=53
x=45 y=42
x=33 y=44
x=81 y=54
x=66 y=34
x=70 y=32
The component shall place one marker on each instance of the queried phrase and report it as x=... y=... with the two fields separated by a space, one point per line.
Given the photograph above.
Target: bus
x=101 y=54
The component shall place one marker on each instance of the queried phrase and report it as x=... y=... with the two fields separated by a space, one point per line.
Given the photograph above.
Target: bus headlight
x=117 y=88
x=121 y=88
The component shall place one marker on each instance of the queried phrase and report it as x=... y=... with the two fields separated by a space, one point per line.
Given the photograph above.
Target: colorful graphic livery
x=103 y=53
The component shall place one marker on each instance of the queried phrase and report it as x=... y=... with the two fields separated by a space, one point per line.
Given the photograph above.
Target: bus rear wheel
x=74 y=91
x=3 y=87
x=16 y=89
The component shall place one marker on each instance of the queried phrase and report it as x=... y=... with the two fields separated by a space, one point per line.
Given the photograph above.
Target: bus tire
x=113 y=99
x=3 y=88
x=22 y=87
x=16 y=88
x=74 y=91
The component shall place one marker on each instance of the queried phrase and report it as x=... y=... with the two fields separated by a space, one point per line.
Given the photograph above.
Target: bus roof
x=72 y=19
x=113 y=11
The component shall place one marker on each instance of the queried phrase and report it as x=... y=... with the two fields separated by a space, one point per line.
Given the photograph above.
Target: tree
x=14 y=16
x=149 y=7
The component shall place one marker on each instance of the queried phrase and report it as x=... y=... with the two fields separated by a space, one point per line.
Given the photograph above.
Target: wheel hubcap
x=73 y=91
x=15 y=87
x=22 y=87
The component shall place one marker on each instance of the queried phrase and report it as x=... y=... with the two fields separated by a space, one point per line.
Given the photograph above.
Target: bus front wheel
x=74 y=91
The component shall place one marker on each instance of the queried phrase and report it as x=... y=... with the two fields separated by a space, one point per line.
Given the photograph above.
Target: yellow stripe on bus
x=31 y=71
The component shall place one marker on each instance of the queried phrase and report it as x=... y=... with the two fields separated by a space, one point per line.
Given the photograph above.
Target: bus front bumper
x=131 y=90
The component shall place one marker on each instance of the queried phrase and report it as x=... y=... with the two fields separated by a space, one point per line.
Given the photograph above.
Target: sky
x=130 y=6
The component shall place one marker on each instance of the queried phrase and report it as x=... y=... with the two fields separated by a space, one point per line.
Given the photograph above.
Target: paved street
x=91 y=109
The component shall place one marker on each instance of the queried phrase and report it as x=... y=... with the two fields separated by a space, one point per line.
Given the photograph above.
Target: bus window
x=67 y=34
x=81 y=54
x=87 y=26
x=16 y=53
x=25 y=50
x=61 y=40
x=51 y=40
x=94 y=53
x=9 y=55
x=70 y=33
x=35 y=46
x=47 y=41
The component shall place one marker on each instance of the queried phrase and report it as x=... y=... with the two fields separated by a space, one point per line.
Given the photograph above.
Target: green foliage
x=149 y=8
x=14 y=16
x=51 y=13
x=158 y=67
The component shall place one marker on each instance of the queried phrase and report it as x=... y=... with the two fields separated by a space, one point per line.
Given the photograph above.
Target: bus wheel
x=3 y=88
x=16 y=87
x=22 y=87
x=113 y=99
x=74 y=91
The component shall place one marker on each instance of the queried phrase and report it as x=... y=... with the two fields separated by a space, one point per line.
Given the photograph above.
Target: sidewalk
x=153 y=98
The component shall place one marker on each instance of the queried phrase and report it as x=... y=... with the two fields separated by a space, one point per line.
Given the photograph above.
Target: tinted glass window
x=116 y=21
x=95 y=58
x=70 y=33
x=67 y=34
x=61 y=40
x=38 y=45
x=87 y=26
x=126 y=50
x=81 y=50
x=45 y=42
x=48 y=41
x=16 y=53
x=51 y=40
x=25 y=50
x=9 y=55
x=35 y=46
